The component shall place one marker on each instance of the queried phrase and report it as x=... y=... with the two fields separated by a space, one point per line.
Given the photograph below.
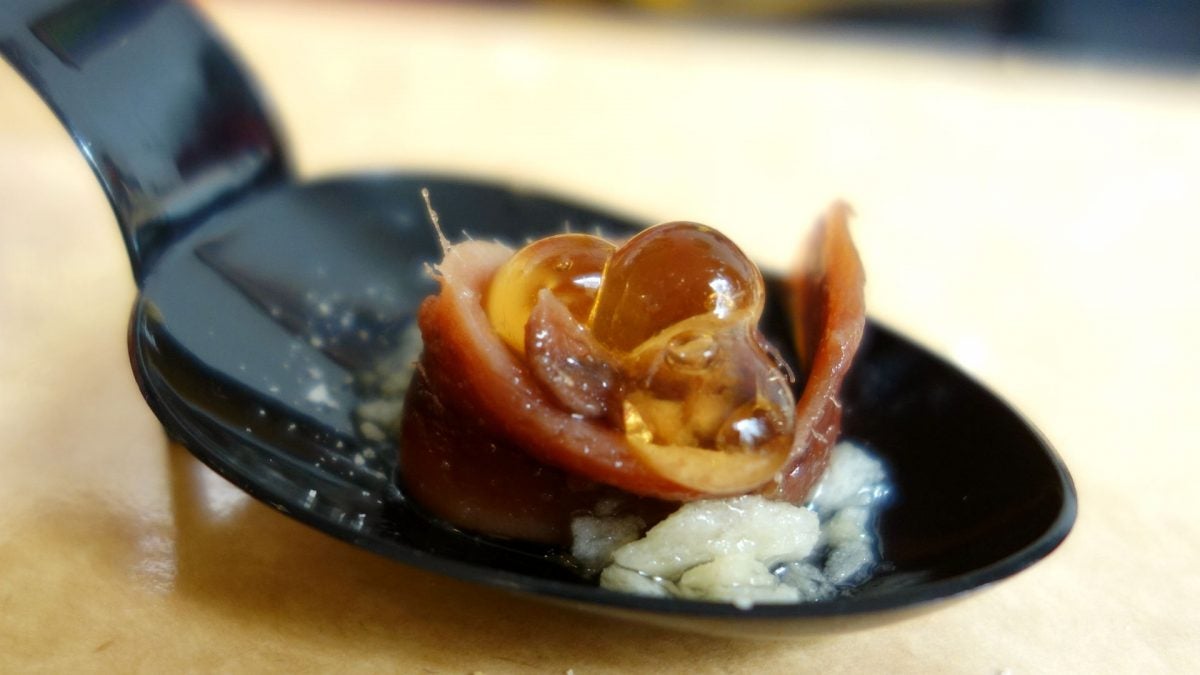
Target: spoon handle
x=167 y=119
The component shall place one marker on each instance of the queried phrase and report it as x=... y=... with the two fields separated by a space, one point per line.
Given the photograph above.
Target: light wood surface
x=1036 y=222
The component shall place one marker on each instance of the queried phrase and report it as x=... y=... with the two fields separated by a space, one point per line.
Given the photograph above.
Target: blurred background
x=1163 y=31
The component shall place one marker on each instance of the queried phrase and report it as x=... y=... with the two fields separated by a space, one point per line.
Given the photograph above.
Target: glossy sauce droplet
x=669 y=273
x=569 y=265
x=708 y=383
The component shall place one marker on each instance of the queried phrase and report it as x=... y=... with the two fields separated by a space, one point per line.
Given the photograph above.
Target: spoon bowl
x=274 y=317
x=256 y=340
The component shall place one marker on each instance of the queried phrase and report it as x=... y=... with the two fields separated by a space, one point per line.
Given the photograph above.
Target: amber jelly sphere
x=569 y=265
x=669 y=273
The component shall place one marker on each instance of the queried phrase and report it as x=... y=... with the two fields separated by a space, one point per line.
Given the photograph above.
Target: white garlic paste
x=748 y=550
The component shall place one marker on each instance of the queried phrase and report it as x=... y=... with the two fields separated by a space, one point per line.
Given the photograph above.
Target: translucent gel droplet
x=569 y=265
x=708 y=383
x=669 y=273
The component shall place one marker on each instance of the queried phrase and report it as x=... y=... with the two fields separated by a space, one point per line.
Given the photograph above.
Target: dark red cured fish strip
x=830 y=279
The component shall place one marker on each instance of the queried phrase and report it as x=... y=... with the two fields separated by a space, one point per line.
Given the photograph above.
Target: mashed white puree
x=747 y=550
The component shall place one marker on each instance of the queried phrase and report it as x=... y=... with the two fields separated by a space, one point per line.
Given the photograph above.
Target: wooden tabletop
x=1036 y=222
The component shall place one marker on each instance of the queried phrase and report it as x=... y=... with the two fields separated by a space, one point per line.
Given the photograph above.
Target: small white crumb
x=593 y=539
x=319 y=394
x=854 y=478
x=372 y=432
x=847 y=562
x=381 y=411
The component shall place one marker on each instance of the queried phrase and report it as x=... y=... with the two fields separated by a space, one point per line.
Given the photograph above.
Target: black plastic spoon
x=268 y=308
